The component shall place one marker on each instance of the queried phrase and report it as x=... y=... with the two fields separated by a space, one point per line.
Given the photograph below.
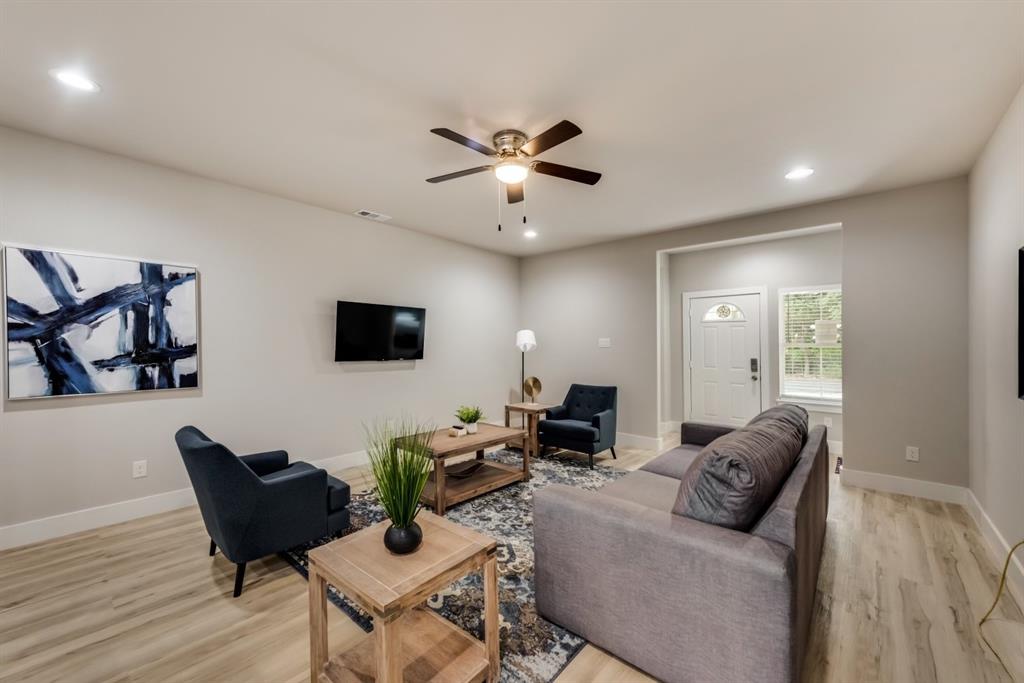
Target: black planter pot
x=402 y=541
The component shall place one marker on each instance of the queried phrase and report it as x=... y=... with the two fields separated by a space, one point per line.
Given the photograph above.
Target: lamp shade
x=526 y=340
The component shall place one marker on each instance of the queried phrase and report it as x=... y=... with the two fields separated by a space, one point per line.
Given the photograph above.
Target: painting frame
x=5 y=251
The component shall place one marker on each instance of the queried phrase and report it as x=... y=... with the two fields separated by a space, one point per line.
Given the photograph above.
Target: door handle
x=753 y=377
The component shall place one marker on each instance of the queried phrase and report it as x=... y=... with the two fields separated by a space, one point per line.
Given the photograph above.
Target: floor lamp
x=526 y=341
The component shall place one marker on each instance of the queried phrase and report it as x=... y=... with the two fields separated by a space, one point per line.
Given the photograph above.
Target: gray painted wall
x=996 y=414
x=905 y=297
x=904 y=277
x=793 y=262
x=270 y=273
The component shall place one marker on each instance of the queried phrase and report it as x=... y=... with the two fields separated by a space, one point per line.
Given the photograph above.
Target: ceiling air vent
x=372 y=215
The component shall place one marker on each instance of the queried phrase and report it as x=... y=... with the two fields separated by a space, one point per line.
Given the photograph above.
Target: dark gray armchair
x=256 y=505
x=585 y=422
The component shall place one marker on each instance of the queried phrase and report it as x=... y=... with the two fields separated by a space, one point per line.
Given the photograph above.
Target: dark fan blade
x=555 y=135
x=458 y=174
x=463 y=140
x=567 y=172
x=515 y=193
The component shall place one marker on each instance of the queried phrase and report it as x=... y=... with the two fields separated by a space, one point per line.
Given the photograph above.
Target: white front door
x=725 y=359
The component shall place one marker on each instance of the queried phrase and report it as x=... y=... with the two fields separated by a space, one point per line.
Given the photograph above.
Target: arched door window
x=724 y=312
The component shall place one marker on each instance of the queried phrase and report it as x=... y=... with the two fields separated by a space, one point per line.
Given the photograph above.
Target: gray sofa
x=681 y=599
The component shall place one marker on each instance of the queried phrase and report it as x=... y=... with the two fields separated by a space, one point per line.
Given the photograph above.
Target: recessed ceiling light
x=799 y=173
x=74 y=79
x=530 y=234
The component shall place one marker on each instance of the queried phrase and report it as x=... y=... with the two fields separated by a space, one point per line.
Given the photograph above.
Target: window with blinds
x=811 y=344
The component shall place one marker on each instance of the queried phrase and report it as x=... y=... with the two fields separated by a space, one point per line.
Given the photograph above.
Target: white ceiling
x=692 y=111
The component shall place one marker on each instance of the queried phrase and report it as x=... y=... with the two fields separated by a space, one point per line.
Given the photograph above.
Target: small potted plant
x=469 y=416
x=400 y=458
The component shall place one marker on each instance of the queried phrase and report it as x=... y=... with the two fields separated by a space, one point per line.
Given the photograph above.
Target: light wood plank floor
x=903 y=583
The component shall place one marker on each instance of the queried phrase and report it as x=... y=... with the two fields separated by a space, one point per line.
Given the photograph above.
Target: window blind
x=812 y=344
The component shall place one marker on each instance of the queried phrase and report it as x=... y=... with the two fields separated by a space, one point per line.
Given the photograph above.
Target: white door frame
x=765 y=369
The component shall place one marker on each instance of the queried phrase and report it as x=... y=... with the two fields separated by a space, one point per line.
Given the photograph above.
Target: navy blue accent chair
x=585 y=422
x=256 y=505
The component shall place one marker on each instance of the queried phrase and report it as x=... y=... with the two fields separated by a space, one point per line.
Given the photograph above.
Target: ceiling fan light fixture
x=511 y=172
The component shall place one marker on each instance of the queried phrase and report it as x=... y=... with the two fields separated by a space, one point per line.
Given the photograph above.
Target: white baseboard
x=636 y=441
x=932 y=490
x=999 y=545
x=835 y=447
x=343 y=461
x=669 y=426
x=46 y=528
x=948 y=493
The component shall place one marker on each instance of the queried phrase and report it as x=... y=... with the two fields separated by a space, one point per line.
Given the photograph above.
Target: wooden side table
x=409 y=642
x=532 y=413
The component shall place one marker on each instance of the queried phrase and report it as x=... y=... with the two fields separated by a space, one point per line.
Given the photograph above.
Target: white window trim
x=815 y=404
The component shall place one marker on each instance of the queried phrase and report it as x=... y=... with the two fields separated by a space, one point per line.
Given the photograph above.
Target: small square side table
x=532 y=412
x=409 y=642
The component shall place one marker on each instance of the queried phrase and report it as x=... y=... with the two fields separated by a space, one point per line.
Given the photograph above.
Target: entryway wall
x=806 y=260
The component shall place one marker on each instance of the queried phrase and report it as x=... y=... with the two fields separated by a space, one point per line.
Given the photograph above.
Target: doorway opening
x=732 y=335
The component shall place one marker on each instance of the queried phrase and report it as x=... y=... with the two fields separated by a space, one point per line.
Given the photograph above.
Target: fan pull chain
x=499 y=206
x=524 y=202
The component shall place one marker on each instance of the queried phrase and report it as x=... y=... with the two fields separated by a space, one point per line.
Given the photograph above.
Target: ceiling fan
x=514 y=154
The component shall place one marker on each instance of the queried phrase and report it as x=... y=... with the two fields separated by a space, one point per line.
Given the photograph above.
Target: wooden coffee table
x=462 y=481
x=409 y=642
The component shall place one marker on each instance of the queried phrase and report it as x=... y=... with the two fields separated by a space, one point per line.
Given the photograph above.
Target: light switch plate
x=604 y=342
x=139 y=469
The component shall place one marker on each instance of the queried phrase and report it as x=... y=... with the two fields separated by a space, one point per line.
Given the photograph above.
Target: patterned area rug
x=532 y=649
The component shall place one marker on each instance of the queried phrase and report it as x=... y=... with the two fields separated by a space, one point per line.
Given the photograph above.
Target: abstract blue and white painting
x=80 y=324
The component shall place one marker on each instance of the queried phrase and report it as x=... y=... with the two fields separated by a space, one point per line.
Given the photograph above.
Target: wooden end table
x=448 y=486
x=409 y=641
x=532 y=412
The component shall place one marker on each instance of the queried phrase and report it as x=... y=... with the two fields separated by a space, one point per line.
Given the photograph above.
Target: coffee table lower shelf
x=490 y=476
x=432 y=649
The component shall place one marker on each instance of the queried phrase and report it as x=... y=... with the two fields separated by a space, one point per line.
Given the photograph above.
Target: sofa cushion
x=737 y=476
x=675 y=462
x=646 y=488
x=575 y=430
x=793 y=415
x=701 y=433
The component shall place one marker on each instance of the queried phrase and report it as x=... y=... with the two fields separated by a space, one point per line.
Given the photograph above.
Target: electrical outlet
x=604 y=342
x=139 y=469
x=913 y=454
x=827 y=422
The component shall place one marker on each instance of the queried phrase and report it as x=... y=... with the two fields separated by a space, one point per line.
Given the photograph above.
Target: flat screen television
x=378 y=332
